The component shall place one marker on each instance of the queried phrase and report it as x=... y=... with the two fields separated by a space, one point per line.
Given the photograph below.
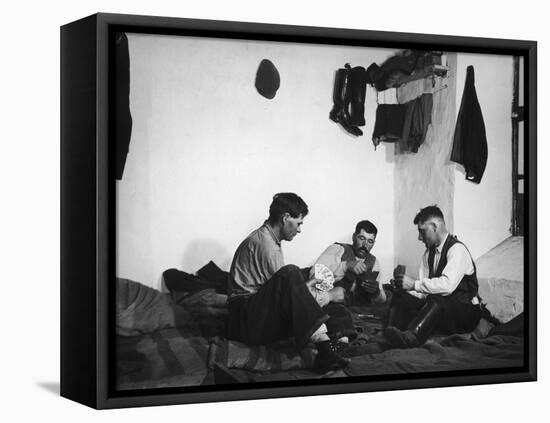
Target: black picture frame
x=87 y=201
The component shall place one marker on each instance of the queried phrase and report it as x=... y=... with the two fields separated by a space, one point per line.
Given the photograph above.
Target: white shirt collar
x=271 y=232
x=440 y=246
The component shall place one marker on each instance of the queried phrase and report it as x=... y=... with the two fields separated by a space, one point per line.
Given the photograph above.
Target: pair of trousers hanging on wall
x=470 y=140
x=405 y=123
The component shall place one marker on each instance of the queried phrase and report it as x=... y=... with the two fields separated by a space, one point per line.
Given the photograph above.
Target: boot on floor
x=419 y=329
x=401 y=338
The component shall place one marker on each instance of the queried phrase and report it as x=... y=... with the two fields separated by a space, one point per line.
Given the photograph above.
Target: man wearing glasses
x=355 y=269
x=444 y=298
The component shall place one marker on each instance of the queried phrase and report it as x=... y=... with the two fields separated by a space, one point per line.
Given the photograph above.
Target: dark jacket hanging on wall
x=470 y=141
x=122 y=117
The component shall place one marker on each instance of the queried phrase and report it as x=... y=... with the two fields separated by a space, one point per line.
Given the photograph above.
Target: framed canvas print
x=256 y=211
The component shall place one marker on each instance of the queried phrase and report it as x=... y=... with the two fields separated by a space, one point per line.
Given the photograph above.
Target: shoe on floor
x=328 y=357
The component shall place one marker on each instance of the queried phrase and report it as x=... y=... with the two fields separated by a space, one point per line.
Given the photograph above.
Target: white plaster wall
x=483 y=212
x=426 y=177
x=208 y=152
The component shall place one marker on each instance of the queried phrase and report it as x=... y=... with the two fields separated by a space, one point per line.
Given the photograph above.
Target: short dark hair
x=427 y=213
x=367 y=226
x=287 y=202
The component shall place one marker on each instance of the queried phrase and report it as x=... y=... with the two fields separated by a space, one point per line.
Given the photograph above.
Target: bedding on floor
x=178 y=340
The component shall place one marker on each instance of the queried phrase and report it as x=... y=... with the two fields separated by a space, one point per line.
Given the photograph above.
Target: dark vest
x=468 y=286
x=349 y=278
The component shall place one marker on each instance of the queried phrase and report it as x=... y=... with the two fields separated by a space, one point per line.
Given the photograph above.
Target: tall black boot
x=341 y=97
x=358 y=92
x=419 y=329
x=390 y=318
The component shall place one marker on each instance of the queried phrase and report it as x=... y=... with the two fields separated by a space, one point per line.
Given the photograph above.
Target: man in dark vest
x=444 y=298
x=355 y=269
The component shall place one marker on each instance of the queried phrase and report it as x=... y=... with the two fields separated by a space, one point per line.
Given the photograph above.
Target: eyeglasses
x=369 y=241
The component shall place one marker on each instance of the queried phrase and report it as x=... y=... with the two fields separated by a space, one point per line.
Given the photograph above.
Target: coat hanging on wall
x=123 y=118
x=268 y=80
x=470 y=140
x=407 y=65
x=388 y=74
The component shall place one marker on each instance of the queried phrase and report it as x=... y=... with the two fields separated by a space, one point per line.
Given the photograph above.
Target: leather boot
x=391 y=318
x=419 y=329
x=358 y=92
x=341 y=97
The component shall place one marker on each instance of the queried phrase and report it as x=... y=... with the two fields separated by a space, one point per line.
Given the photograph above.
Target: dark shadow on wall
x=199 y=252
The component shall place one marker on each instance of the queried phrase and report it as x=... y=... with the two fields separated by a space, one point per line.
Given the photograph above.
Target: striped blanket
x=168 y=345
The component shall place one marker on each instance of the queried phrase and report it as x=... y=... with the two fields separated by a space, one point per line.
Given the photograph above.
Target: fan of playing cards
x=323 y=273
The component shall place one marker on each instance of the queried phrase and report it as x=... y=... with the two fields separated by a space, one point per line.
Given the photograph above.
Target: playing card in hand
x=323 y=273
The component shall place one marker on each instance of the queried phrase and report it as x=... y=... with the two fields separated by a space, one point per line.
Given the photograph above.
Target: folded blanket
x=141 y=309
x=181 y=284
x=215 y=276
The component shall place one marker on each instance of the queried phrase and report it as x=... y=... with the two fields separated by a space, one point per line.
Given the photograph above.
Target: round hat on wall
x=267 y=79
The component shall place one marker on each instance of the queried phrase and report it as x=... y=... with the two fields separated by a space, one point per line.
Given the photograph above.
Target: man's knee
x=438 y=299
x=400 y=297
x=290 y=270
x=289 y=275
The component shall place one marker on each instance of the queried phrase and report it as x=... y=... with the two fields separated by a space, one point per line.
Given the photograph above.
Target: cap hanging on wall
x=267 y=79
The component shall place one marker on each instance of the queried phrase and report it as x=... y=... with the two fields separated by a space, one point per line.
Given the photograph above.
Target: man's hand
x=407 y=282
x=337 y=294
x=371 y=287
x=357 y=266
x=311 y=283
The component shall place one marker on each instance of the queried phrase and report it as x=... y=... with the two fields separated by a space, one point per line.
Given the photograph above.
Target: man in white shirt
x=445 y=297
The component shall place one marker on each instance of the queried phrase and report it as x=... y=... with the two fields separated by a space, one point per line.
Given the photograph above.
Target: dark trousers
x=454 y=316
x=282 y=308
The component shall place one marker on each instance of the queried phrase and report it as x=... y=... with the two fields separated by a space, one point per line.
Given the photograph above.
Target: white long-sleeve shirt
x=459 y=264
